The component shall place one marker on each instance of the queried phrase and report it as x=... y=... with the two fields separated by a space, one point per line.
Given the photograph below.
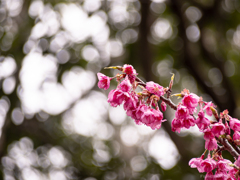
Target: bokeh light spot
x=9 y=85
x=163 y=150
x=193 y=14
x=193 y=33
x=17 y=116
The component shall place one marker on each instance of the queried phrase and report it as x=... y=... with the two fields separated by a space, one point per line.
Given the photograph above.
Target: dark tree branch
x=193 y=64
x=228 y=147
x=146 y=64
x=145 y=55
x=232 y=148
x=22 y=21
x=213 y=13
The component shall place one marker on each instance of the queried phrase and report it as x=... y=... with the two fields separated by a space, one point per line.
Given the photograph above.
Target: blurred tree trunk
x=145 y=56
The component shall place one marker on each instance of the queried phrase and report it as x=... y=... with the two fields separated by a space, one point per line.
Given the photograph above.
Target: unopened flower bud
x=155 y=88
x=104 y=81
x=234 y=124
x=163 y=106
x=129 y=70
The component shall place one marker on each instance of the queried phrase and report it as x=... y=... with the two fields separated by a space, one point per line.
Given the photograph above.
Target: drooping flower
x=208 y=134
x=104 y=81
x=125 y=85
x=208 y=164
x=220 y=175
x=229 y=177
x=130 y=105
x=117 y=97
x=188 y=122
x=209 y=176
x=148 y=116
x=156 y=125
x=232 y=173
x=196 y=163
x=237 y=162
x=234 y=124
x=218 y=129
x=223 y=165
x=201 y=121
x=158 y=119
x=211 y=144
x=131 y=101
x=158 y=114
x=155 y=88
x=176 y=125
x=236 y=136
x=191 y=102
x=129 y=70
x=208 y=109
x=132 y=78
x=140 y=110
x=182 y=112
x=132 y=113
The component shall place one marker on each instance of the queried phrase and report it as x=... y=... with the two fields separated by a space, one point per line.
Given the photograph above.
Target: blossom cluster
x=223 y=170
x=192 y=110
x=142 y=106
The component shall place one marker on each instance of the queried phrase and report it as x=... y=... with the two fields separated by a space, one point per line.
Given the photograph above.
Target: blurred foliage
x=55 y=122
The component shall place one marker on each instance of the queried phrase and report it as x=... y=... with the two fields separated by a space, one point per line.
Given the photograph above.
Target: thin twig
x=226 y=145
x=166 y=100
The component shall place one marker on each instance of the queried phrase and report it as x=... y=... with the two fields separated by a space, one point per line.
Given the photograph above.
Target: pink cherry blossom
x=208 y=164
x=132 y=113
x=158 y=114
x=223 y=165
x=219 y=175
x=182 y=112
x=156 y=125
x=143 y=109
x=117 y=97
x=209 y=176
x=131 y=102
x=201 y=121
x=232 y=173
x=129 y=70
x=236 y=136
x=176 y=125
x=158 y=119
x=104 y=81
x=208 y=134
x=138 y=122
x=191 y=102
x=140 y=110
x=234 y=124
x=131 y=78
x=218 y=129
x=188 y=122
x=211 y=144
x=130 y=105
x=155 y=88
x=237 y=162
x=207 y=108
x=196 y=163
x=125 y=85
x=148 y=116
x=231 y=177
